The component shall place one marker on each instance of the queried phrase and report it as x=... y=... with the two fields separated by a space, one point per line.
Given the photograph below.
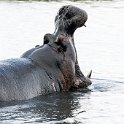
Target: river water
x=100 y=47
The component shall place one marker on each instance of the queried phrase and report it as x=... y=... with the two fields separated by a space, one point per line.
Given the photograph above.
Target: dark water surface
x=100 y=47
x=55 y=108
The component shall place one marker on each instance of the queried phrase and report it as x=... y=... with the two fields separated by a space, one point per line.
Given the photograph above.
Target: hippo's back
x=19 y=79
x=14 y=69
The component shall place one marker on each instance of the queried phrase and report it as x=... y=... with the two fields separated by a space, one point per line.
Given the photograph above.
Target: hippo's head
x=69 y=18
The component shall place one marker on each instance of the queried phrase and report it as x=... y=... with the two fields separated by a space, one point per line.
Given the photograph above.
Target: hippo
x=25 y=78
x=68 y=19
x=48 y=68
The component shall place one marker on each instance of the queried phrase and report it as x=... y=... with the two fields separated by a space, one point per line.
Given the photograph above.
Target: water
x=99 y=46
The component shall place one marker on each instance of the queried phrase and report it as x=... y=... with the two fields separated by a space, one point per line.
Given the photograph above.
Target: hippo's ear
x=48 y=38
x=62 y=43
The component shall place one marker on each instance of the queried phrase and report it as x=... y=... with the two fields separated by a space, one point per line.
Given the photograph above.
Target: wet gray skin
x=46 y=70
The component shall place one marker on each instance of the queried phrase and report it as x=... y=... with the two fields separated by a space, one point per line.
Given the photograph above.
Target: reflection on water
x=53 y=108
x=99 y=46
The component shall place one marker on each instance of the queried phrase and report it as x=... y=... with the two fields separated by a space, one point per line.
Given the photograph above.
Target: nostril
x=68 y=15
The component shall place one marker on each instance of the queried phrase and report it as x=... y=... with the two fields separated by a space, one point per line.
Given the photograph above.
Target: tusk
x=89 y=74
